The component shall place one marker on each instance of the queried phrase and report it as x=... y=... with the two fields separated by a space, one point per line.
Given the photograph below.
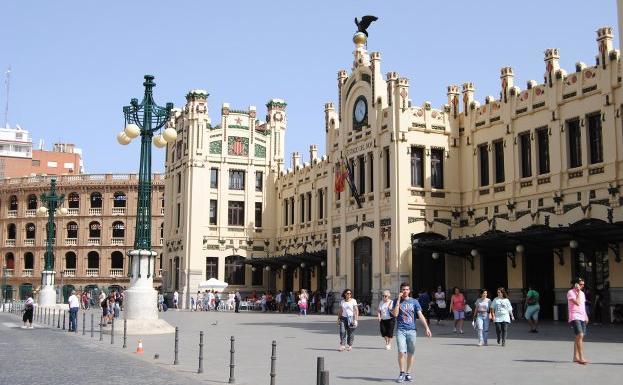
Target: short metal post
x=324 y=375
x=175 y=347
x=75 y=322
x=63 y=319
x=125 y=333
x=84 y=323
x=101 y=337
x=200 y=370
x=112 y=331
x=319 y=369
x=273 y=359
x=91 y=325
x=53 y=317
x=45 y=316
x=232 y=379
x=58 y=319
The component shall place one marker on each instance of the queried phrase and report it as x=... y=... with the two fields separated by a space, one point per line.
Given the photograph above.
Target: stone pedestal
x=141 y=300
x=47 y=294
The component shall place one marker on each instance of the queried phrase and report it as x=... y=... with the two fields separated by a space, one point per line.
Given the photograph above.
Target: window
x=96 y=200
x=387 y=165
x=116 y=260
x=258 y=214
x=52 y=164
x=320 y=203
x=387 y=258
x=498 y=153
x=309 y=206
x=179 y=182
x=484 y=164
x=292 y=210
x=69 y=166
x=72 y=230
x=179 y=214
x=11 y=231
x=178 y=150
x=371 y=169
x=337 y=261
x=95 y=229
x=543 y=148
x=36 y=162
x=302 y=203
x=361 y=164
x=73 y=200
x=285 y=212
x=257 y=276
x=214 y=178
x=211 y=267
x=575 y=145
x=29 y=261
x=93 y=260
x=417 y=166
x=30 y=231
x=213 y=211
x=259 y=180
x=13 y=203
x=595 y=139
x=31 y=204
x=525 y=154
x=119 y=199
x=118 y=229
x=47 y=230
x=436 y=168
x=236 y=180
x=235 y=213
x=70 y=260
x=234 y=270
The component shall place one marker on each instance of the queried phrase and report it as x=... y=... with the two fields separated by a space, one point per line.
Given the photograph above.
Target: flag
x=350 y=177
x=339 y=177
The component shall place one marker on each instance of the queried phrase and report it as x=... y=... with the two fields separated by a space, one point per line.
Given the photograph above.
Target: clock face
x=361 y=110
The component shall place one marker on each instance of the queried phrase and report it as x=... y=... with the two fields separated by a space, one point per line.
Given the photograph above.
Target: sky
x=75 y=64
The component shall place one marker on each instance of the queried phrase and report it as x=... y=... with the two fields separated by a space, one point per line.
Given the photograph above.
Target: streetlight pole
x=144 y=119
x=51 y=202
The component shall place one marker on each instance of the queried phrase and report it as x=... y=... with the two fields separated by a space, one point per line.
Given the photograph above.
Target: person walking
x=29 y=307
x=237 y=299
x=424 y=300
x=440 y=304
x=347 y=318
x=482 y=314
x=405 y=310
x=303 y=301
x=457 y=308
x=74 y=306
x=176 y=297
x=502 y=314
x=578 y=318
x=160 y=301
x=386 y=320
x=532 y=309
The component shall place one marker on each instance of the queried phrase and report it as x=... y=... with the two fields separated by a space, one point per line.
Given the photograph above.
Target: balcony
x=31 y=213
x=118 y=211
x=93 y=242
x=159 y=273
x=91 y=272
x=29 y=242
x=97 y=211
x=8 y=272
x=45 y=242
x=117 y=241
x=162 y=211
x=161 y=241
x=70 y=272
x=9 y=242
x=115 y=272
x=27 y=272
x=71 y=241
x=11 y=214
x=73 y=211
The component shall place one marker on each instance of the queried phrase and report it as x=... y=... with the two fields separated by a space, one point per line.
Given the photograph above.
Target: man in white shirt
x=176 y=297
x=74 y=306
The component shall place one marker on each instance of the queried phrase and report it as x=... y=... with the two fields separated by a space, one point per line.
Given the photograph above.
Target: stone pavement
x=543 y=358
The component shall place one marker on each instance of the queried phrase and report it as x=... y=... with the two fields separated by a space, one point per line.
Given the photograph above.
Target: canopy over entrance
x=213 y=283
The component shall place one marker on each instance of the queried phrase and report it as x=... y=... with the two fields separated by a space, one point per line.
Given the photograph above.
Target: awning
x=309 y=258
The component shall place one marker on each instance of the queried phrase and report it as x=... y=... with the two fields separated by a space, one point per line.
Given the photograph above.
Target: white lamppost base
x=47 y=296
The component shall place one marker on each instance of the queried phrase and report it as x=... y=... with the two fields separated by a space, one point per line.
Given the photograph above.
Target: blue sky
x=75 y=64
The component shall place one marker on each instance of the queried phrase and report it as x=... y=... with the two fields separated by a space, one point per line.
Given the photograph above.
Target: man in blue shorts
x=405 y=310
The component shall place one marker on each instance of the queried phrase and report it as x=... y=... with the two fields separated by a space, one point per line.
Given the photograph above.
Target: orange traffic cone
x=139 y=349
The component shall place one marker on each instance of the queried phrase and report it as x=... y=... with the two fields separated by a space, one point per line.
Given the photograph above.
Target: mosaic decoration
x=238 y=146
x=260 y=151
x=216 y=147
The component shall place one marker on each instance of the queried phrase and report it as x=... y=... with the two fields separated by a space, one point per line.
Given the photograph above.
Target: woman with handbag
x=482 y=310
x=347 y=318
x=502 y=314
x=29 y=307
x=386 y=320
x=457 y=308
x=440 y=304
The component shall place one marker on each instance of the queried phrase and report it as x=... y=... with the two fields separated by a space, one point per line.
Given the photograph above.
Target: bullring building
x=520 y=188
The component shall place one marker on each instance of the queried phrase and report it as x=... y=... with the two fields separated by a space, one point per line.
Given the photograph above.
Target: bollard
x=75 y=323
x=112 y=331
x=45 y=316
x=200 y=370
x=232 y=379
x=101 y=337
x=84 y=323
x=324 y=375
x=125 y=333
x=273 y=358
x=58 y=319
x=319 y=370
x=91 y=325
x=53 y=317
x=63 y=319
x=175 y=360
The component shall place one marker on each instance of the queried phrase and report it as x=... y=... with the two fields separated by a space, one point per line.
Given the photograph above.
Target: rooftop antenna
x=7 y=82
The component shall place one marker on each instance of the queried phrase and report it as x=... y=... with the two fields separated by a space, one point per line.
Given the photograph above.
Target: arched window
x=70 y=260
x=118 y=229
x=13 y=203
x=30 y=231
x=73 y=200
x=10 y=231
x=29 y=261
x=9 y=261
x=116 y=260
x=162 y=230
x=93 y=260
x=234 y=270
x=72 y=230
x=53 y=230
x=95 y=229
x=32 y=202
x=119 y=199
x=96 y=200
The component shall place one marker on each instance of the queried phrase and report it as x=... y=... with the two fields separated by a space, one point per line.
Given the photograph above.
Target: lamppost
x=4 y=283
x=51 y=203
x=144 y=119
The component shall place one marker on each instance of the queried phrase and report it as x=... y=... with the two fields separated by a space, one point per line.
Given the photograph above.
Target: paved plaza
x=542 y=358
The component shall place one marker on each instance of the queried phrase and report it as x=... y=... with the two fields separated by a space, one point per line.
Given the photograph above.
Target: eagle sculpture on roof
x=365 y=22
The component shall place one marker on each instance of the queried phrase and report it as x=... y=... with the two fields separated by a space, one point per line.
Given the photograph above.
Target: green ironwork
x=260 y=151
x=216 y=147
x=53 y=202
x=150 y=118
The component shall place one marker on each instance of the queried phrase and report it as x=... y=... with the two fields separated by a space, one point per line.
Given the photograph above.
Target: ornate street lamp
x=51 y=202
x=144 y=119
